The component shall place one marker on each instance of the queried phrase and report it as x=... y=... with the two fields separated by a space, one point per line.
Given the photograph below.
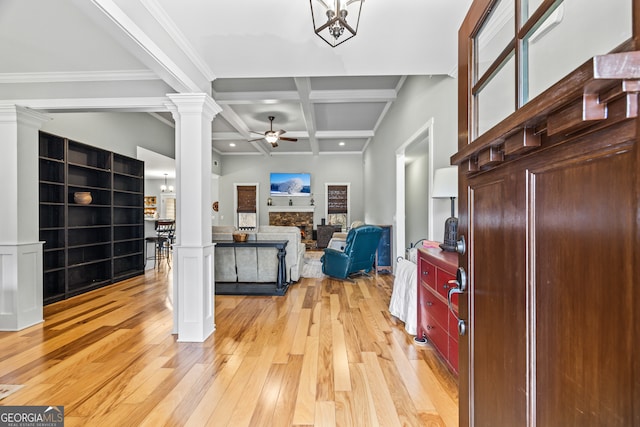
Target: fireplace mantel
x=298 y=216
x=292 y=208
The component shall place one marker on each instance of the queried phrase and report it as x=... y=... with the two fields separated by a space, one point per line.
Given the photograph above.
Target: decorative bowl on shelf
x=240 y=237
x=82 y=197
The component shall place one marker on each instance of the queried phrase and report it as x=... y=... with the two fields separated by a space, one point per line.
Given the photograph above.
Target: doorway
x=414 y=167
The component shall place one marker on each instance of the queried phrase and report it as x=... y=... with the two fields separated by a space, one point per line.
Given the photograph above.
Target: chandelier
x=164 y=187
x=332 y=17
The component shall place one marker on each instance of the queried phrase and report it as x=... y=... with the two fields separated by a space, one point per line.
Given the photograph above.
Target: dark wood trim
x=534 y=18
x=596 y=76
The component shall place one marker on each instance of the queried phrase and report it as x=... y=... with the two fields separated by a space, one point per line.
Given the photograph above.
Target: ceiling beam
x=339 y=96
x=167 y=62
x=304 y=90
x=303 y=84
x=264 y=97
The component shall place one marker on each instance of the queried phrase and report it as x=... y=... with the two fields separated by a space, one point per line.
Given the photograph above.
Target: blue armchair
x=358 y=255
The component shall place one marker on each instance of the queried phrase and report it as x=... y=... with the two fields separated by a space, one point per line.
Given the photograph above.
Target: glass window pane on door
x=570 y=34
x=494 y=36
x=496 y=100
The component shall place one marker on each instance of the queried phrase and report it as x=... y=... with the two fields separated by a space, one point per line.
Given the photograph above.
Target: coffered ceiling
x=257 y=59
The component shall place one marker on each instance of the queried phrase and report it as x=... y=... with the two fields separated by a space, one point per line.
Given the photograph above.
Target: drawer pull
x=429 y=303
x=425 y=273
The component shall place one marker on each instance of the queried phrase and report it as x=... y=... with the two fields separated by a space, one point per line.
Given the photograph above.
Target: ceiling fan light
x=271 y=137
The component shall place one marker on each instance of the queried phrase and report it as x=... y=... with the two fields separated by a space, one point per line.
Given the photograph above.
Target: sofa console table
x=256 y=288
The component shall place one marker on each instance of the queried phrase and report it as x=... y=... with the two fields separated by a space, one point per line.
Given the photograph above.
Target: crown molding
x=78 y=76
x=133 y=104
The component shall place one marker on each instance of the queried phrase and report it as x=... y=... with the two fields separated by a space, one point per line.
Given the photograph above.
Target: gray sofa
x=256 y=265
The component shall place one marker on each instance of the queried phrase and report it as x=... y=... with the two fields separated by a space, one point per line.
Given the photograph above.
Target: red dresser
x=435 y=321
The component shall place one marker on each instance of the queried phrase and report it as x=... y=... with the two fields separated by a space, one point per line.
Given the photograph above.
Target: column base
x=20 y=286
x=193 y=292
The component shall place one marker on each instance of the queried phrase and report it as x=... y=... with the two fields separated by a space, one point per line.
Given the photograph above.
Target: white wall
x=118 y=132
x=324 y=168
x=420 y=99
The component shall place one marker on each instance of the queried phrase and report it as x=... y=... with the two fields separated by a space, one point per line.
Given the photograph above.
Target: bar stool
x=162 y=242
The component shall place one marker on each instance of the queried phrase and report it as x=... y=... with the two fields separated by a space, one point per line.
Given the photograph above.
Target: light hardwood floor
x=328 y=353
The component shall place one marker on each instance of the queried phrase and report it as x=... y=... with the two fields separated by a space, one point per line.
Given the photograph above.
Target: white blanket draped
x=404 y=297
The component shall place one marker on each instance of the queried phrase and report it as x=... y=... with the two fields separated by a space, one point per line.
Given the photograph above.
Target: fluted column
x=20 y=248
x=193 y=259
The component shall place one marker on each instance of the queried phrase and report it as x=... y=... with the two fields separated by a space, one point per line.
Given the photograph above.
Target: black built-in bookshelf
x=93 y=245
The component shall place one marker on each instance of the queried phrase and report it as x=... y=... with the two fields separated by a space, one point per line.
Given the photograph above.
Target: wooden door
x=550 y=208
x=582 y=240
x=496 y=351
x=552 y=302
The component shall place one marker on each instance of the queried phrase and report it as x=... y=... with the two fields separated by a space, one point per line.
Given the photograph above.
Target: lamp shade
x=445 y=183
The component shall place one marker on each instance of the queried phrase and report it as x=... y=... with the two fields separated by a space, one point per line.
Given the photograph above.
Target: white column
x=20 y=248
x=193 y=263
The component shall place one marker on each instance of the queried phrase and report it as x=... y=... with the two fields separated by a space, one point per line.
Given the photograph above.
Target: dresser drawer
x=436 y=309
x=442 y=282
x=438 y=337
x=427 y=273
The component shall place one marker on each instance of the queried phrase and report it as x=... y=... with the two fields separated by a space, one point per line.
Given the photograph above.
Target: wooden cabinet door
x=495 y=351
x=552 y=308
x=583 y=239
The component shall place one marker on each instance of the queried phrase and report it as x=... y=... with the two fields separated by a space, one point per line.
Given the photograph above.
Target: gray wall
x=118 y=132
x=420 y=99
x=324 y=168
x=416 y=199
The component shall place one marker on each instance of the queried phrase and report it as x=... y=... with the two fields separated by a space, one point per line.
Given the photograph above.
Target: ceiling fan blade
x=258 y=133
x=288 y=139
x=257 y=139
x=281 y=131
x=274 y=144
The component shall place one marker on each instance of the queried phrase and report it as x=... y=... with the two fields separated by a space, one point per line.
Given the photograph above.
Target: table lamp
x=445 y=185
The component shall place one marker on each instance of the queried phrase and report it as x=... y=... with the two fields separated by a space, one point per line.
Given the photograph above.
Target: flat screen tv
x=290 y=184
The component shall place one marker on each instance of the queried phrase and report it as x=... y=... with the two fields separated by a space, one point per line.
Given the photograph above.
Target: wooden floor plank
x=302 y=331
x=328 y=353
x=304 y=413
x=383 y=402
x=325 y=414
x=285 y=405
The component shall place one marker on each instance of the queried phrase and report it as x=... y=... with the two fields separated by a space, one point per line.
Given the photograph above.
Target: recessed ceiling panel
x=348 y=116
x=288 y=116
x=341 y=145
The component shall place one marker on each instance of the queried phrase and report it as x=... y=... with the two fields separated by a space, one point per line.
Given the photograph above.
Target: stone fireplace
x=297 y=216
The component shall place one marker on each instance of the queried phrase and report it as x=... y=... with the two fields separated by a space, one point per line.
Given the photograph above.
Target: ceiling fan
x=273 y=136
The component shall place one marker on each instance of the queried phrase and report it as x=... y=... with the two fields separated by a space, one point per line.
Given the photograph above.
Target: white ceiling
x=262 y=57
